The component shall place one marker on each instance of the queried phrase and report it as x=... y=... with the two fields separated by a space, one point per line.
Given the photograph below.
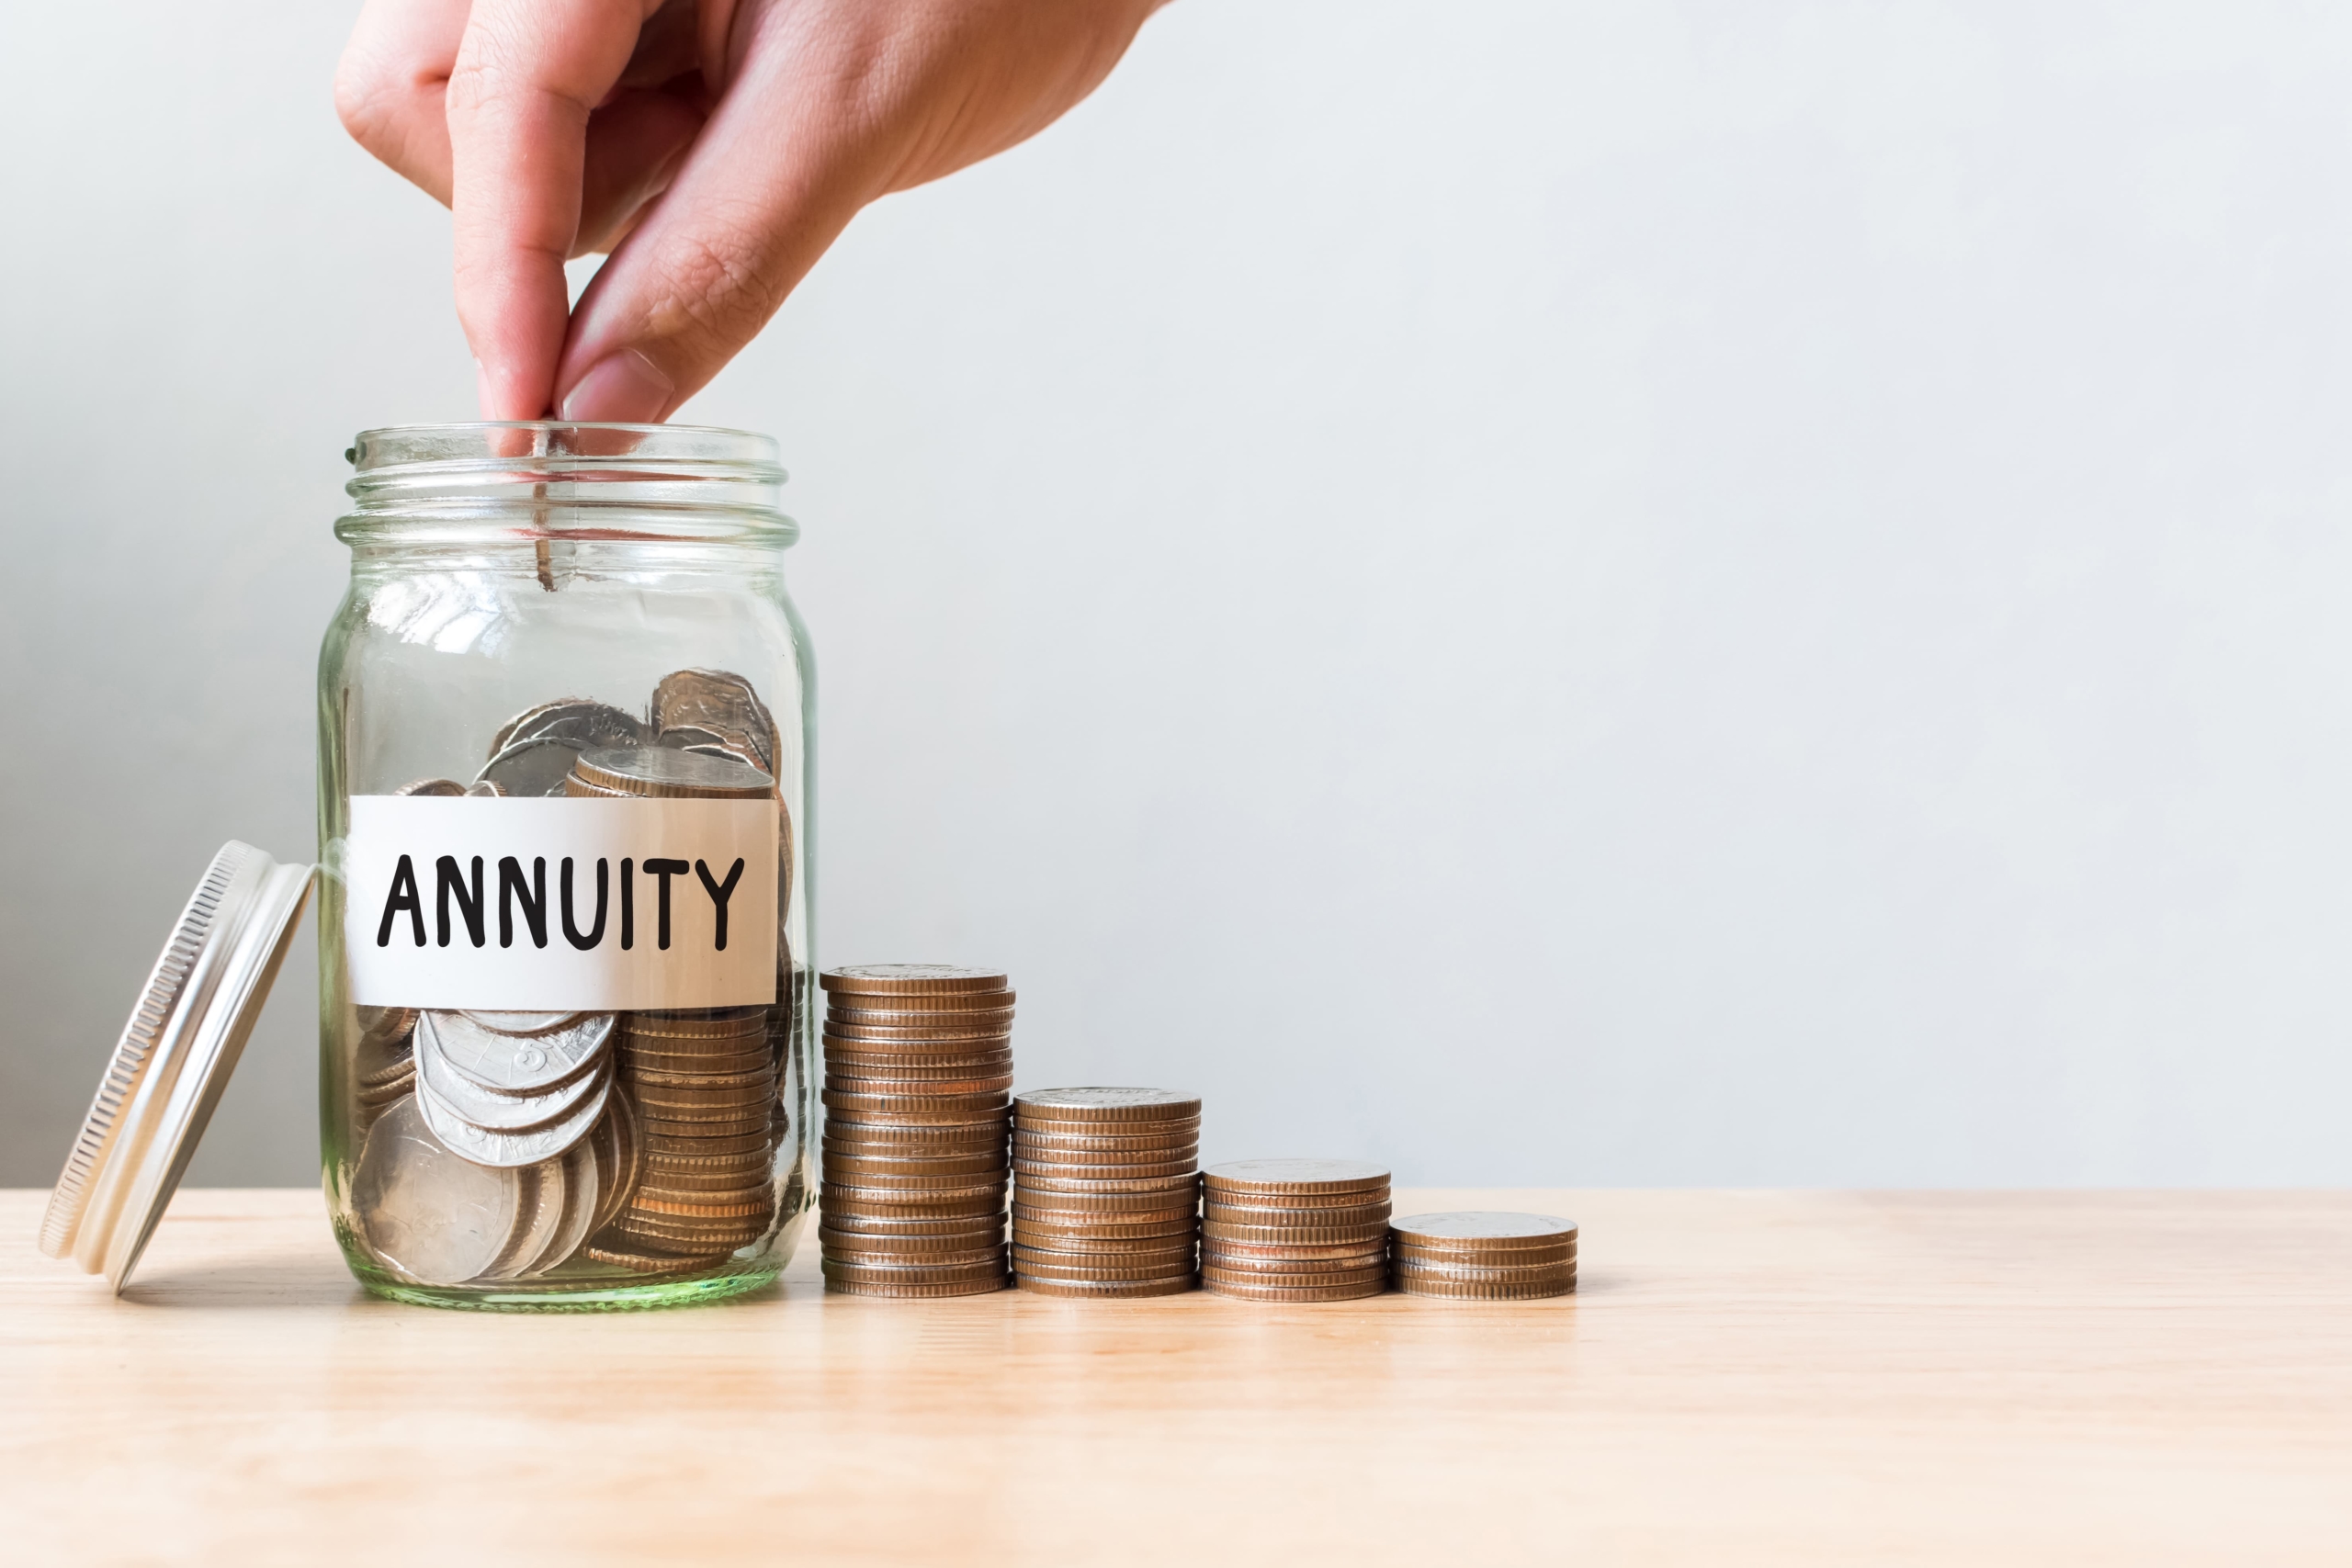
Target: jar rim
x=568 y=441
x=456 y=481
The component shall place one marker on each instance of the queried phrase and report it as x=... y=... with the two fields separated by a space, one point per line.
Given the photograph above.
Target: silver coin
x=583 y=1196
x=517 y=1064
x=431 y=786
x=512 y=1150
x=427 y=1212
x=1466 y=1227
x=578 y=721
x=531 y=767
x=542 y=1216
x=710 y=743
x=520 y=1022
x=653 y=770
x=492 y=1112
x=487 y=787
x=719 y=705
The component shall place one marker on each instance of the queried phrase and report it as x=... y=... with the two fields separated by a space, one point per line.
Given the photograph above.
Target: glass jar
x=565 y=922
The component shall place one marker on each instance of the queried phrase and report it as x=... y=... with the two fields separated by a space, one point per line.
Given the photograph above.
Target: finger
x=825 y=108
x=775 y=176
x=528 y=75
x=389 y=86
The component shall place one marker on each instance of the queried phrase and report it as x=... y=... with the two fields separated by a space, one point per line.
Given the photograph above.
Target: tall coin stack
x=1106 y=1191
x=1294 y=1230
x=1484 y=1256
x=704 y=1084
x=917 y=1064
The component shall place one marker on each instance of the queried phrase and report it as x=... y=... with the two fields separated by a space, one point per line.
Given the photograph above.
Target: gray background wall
x=1726 y=593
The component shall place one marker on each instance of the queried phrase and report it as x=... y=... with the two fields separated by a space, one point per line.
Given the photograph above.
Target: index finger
x=528 y=71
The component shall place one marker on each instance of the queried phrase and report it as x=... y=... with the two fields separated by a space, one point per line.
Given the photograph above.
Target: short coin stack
x=1294 y=1230
x=1484 y=1256
x=917 y=1064
x=703 y=1087
x=1106 y=1191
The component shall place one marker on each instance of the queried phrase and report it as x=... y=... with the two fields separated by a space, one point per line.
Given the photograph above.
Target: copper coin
x=1472 y=1274
x=695 y=1033
x=1272 y=1269
x=1104 y=1104
x=672 y=1145
x=1107 y=1289
x=1256 y=1180
x=1030 y=1149
x=1101 y=1235
x=695 y=1238
x=760 y=1081
x=1070 y=1248
x=1310 y=1219
x=1366 y=1235
x=635 y=1065
x=681 y=1104
x=1182 y=1182
x=929 y=1004
x=1172 y=1136
x=1032 y=1170
x=953 y=1182
x=932 y=1005
x=959 y=1021
x=858 y=1065
x=937 y=1042
x=755 y=1180
x=880 y=1093
x=1302 y=1275
x=985 y=1162
x=1523 y=1258
x=1486 y=1230
x=654 y=1201
x=660 y=1127
x=979 y=1287
x=1422 y=1285
x=1245 y=1252
x=1126 y=1206
x=903 y=1225
x=1274 y=1295
x=910 y=979
x=840 y=1201
x=1030 y=1268
x=917 y=1246
x=927 y=1259
x=640 y=1262
x=855 y=1116
x=911 y=1273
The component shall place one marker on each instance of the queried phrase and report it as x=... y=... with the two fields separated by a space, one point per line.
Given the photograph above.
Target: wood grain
x=1752 y=1378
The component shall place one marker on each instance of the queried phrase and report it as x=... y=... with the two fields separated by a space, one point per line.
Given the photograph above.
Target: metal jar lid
x=174 y=1059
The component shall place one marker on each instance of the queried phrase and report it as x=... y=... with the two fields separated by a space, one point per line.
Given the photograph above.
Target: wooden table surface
x=1745 y=1377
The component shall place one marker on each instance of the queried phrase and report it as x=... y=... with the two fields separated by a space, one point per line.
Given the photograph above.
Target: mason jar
x=565 y=718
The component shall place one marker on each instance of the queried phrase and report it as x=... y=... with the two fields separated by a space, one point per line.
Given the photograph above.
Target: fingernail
x=622 y=389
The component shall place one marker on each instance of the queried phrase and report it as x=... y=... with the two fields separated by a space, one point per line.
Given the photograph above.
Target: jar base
x=620 y=1296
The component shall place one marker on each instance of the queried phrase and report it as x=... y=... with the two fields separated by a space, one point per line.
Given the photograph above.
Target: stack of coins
x=1484 y=1256
x=918 y=1063
x=1294 y=1230
x=1106 y=1189
x=702 y=1082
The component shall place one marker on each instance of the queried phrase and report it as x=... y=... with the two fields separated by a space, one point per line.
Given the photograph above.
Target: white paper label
x=545 y=905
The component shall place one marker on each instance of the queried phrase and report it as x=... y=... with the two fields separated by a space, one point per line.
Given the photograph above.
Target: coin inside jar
x=429 y=1213
x=515 y=1064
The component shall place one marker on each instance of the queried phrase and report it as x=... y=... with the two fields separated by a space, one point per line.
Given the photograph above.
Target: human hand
x=714 y=147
